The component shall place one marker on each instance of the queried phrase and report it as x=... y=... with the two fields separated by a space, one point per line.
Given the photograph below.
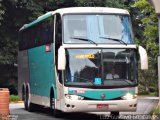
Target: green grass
x=152 y=94
x=14 y=98
x=156 y=111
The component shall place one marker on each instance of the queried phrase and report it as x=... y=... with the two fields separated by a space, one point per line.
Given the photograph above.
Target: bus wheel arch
x=55 y=112
x=28 y=105
x=52 y=98
x=24 y=95
x=23 y=91
x=27 y=97
x=27 y=92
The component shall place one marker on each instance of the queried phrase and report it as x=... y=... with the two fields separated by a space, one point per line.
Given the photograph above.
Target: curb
x=147 y=97
x=16 y=102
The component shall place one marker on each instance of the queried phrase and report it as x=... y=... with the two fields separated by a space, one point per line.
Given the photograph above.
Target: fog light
x=72 y=106
x=135 y=105
x=68 y=105
x=80 y=98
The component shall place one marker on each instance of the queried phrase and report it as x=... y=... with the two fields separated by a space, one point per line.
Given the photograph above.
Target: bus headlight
x=129 y=96
x=74 y=97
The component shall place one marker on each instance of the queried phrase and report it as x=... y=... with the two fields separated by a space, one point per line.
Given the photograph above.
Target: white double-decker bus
x=80 y=59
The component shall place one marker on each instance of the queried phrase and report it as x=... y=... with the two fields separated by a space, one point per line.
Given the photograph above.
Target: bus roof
x=40 y=18
x=73 y=10
x=91 y=10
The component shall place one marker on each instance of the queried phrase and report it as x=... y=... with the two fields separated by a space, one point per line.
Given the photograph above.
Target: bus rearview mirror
x=61 y=58
x=143 y=58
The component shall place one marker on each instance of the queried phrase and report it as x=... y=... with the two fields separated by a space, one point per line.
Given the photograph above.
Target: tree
x=15 y=13
x=102 y=3
x=1 y=12
x=19 y=12
x=146 y=33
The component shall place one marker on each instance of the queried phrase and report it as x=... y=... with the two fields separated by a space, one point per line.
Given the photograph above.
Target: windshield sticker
x=98 y=81
x=90 y=56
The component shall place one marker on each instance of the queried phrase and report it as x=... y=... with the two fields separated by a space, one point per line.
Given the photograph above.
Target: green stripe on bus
x=96 y=94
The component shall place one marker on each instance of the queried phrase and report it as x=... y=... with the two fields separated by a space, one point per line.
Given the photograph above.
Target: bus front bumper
x=99 y=106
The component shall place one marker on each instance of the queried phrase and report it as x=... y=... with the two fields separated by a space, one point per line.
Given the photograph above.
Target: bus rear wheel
x=28 y=105
x=25 y=100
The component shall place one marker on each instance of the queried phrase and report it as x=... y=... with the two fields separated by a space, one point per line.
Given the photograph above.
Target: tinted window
x=40 y=34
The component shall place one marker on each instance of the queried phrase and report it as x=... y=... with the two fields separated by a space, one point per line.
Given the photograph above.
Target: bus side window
x=50 y=30
x=44 y=32
x=38 y=39
x=47 y=28
x=29 y=39
x=33 y=36
x=58 y=43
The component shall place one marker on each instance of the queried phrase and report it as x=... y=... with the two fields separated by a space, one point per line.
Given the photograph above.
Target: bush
x=152 y=89
x=143 y=93
x=141 y=90
x=14 y=98
x=156 y=111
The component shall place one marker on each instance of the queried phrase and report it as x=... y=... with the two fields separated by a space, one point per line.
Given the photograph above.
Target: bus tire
x=28 y=105
x=24 y=97
x=114 y=114
x=56 y=113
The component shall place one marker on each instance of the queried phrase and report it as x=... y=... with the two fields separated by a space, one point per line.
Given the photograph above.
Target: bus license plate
x=100 y=106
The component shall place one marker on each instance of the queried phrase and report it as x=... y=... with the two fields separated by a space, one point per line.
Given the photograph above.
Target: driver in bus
x=112 y=74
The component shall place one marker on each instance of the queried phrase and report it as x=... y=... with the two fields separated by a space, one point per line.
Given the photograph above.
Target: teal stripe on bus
x=96 y=94
x=41 y=67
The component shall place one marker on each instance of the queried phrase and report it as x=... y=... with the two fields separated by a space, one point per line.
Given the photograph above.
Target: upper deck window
x=97 y=28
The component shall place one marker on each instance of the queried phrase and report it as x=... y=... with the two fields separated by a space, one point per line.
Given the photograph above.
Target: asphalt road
x=145 y=106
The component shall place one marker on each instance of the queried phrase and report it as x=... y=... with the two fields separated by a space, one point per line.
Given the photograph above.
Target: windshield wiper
x=114 y=39
x=87 y=80
x=84 y=39
x=127 y=81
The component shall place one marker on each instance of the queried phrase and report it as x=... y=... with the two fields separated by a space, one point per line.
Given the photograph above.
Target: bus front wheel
x=114 y=114
x=55 y=112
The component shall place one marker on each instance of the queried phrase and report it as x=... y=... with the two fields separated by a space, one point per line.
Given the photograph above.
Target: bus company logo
x=79 y=91
x=103 y=96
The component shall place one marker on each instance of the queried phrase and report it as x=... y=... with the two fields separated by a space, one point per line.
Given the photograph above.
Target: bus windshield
x=101 y=67
x=97 y=28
